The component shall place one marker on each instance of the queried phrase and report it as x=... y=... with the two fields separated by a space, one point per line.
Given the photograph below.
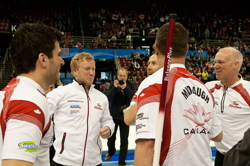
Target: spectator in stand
x=79 y=45
x=114 y=46
x=207 y=47
x=190 y=47
x=94 y=45
x=128 y=57
x=87 y=45
x=113 y=38
x=142 y=57
x=137 y=57
x=200 y=53
x=207 y=33
x=137 y=66
x=99 y=41
x=104 y=35
x=209 y=53
x=134 y=72
x=102 y=86
x=119 y=46
x=162 y=20
x=98 y=83
x=211 y=75
x=199 y=74
x=195 y=47
x=187 y=65
x=192 y=39
x=59 y=23
x=191 y=56
x=104 y=46
x=212 y=60
x=204 y=75
x=128 y=38
x=213 y=52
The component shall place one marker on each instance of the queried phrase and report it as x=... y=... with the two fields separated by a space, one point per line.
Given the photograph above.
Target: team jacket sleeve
x=239 y=154
x=24 y=125
x=148 y=102
x=216 y=125
x=106 y=119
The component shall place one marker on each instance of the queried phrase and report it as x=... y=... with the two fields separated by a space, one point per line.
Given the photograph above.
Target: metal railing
x=221 y=43
x=2 y=71
x=91 y=40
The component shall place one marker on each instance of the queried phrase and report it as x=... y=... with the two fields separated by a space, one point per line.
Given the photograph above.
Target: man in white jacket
x=81 y=116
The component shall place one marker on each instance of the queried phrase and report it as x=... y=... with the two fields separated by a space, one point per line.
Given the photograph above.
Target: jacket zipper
x=223 y=100
x=86 y=138
x=63 y=140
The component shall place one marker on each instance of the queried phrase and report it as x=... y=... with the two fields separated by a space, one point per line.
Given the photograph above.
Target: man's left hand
x=104 y=132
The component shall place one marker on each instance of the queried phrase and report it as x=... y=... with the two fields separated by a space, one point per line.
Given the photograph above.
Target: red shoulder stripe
x=243 y=92
x=9 y=89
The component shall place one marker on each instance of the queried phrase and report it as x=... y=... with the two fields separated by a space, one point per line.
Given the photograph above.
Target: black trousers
x=124 y=132
x=219 y=159
x=56 y=164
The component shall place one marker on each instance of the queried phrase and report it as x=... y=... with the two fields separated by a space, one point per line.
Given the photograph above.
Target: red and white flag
x=114 y=16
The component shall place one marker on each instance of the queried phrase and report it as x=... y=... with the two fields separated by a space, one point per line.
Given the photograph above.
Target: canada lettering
x=187 y=91
x=187 y=131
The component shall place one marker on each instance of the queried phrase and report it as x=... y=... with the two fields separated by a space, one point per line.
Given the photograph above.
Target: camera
x=123 y=107
x=121 y=82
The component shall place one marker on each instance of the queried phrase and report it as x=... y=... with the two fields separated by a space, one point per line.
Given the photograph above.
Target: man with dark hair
x=119 y=94
x=189 y=123
x=26 y=129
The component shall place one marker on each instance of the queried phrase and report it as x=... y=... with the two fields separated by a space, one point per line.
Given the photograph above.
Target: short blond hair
x=122 y=69
x=78 y=58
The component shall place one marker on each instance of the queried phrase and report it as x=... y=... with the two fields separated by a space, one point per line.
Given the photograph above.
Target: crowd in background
x=113 y=25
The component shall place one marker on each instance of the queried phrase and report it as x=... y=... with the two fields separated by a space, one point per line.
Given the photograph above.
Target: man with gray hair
x=232 y=100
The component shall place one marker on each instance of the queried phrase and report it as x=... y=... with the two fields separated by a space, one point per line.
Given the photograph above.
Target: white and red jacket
x=232 y=108
x=26 y=130
x=78 y=117
x=190 y=121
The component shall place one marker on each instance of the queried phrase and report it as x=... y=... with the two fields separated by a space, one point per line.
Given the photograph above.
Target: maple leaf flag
x=114 y=16
x=199 y=116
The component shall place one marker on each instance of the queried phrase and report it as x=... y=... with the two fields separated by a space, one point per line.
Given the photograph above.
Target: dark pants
x=219 y=159
x=124 y=132
x=56 y=164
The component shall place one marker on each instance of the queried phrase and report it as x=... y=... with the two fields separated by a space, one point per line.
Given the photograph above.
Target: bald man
x=130 y=113
x=232 y=100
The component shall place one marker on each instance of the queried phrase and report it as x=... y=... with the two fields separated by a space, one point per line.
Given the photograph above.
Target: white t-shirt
x=26 y=132
x=190 y=121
